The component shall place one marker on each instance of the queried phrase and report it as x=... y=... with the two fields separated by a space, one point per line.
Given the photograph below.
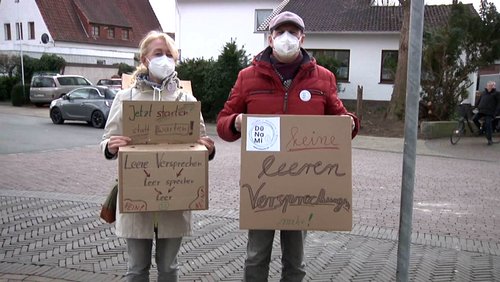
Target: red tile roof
x=329 y=16
x=106 y=12
x=69 y=20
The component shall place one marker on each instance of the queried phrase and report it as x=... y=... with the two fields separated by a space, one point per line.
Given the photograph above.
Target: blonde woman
x=154 y=79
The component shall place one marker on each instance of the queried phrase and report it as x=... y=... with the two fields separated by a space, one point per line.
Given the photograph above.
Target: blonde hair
x=144 y=49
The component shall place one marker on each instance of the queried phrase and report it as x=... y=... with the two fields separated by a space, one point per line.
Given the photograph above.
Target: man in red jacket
x=283 y=79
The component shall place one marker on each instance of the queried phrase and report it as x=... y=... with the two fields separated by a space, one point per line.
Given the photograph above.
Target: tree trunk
x=396 y=108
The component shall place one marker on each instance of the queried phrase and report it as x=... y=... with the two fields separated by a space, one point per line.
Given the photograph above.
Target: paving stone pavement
x=50 y=230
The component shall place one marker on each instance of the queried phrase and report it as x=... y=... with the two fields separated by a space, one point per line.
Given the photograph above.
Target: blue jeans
x=259 y=248
x=139 y=259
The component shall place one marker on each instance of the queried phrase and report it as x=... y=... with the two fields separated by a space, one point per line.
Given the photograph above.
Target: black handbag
x=108 y=209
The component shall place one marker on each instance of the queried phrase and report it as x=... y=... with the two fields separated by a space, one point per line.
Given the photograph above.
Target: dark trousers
x=487 y=124
x=259 y=248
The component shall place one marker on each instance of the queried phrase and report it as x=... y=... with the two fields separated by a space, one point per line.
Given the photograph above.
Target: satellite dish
x=45 y=38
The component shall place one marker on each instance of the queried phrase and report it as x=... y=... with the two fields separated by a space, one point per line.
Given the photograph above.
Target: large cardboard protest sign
x=296 y=173
x=163 y=177
x=165 y=169
x=156 y=122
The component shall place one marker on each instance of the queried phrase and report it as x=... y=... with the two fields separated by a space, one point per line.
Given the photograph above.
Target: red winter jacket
x=258 y=90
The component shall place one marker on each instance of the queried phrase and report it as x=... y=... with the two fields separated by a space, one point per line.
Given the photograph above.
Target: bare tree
x=8 y=64
x=396 y=108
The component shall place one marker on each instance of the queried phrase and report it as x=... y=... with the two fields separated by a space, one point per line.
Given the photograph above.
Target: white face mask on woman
x=286 y=45
x=161 y=67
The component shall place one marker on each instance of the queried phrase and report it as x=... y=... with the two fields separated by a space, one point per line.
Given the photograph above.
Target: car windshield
x=109 y=81
x=72 y=81
x=43 y=82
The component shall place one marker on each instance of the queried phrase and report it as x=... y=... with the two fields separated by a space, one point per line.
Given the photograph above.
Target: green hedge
x=6 y=85
x=18 y=98
x=212 y=80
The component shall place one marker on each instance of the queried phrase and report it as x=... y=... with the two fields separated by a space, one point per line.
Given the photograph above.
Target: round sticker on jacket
x=305 y=95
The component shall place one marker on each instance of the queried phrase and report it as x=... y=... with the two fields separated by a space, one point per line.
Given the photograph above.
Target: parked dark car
x=114 y=83
x=90 y=104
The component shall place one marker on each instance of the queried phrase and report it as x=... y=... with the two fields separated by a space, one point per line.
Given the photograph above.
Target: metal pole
x=410 y=141
x=19 y=31
x=22 y=64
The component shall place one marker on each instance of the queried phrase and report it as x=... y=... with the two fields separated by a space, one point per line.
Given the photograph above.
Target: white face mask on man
x=161 y=67
x=286 y=45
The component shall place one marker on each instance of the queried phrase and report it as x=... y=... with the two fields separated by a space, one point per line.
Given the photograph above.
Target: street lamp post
x=19 y=32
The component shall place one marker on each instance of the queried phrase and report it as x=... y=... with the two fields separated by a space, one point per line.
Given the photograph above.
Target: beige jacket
x=171 y=224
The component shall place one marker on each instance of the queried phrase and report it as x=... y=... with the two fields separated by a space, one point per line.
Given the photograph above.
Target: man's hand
x=237 y=122
x=353 y=124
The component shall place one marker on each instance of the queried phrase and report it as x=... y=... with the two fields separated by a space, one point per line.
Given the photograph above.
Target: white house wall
x=24 y=12
x=73 y=53
x=204 y=27
x=365 y=61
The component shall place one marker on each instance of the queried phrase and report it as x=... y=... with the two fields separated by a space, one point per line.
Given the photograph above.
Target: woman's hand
x=115 y=142
x=208 y=143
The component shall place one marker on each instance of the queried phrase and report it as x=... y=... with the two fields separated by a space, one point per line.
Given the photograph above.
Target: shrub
x=124 y=68
x=18 y=97
x=212 y=80
x=197 y=71
x=6 y=84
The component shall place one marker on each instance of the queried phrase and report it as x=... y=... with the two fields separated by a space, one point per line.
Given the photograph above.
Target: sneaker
x=490 y=142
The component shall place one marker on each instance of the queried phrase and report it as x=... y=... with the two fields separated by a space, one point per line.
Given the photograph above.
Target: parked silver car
x=47 y=87
x=90 y=104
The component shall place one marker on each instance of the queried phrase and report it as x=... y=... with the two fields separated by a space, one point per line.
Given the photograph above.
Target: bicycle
x=465 y=111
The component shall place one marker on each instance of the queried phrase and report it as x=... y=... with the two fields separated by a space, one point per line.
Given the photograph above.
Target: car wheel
x=56 y=116
x=97 y=119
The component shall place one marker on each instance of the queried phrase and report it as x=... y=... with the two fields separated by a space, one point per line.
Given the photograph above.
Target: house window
x=388 y=66
x=8 y=35
x=95 y=31
x=31 y=30
x=19 y=31
x=334 y=59
x=125 y=34
x=261 y=15
x=111 y=32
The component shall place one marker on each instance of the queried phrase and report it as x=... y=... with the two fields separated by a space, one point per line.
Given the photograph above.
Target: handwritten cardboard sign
x=156 y=122
x=296 y=173
x=163 y=177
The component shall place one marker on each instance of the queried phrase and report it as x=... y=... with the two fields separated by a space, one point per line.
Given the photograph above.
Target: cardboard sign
x=186 y=86
x=126 y=80
x=163 y=177
x=296 y=173
x=156 y=122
